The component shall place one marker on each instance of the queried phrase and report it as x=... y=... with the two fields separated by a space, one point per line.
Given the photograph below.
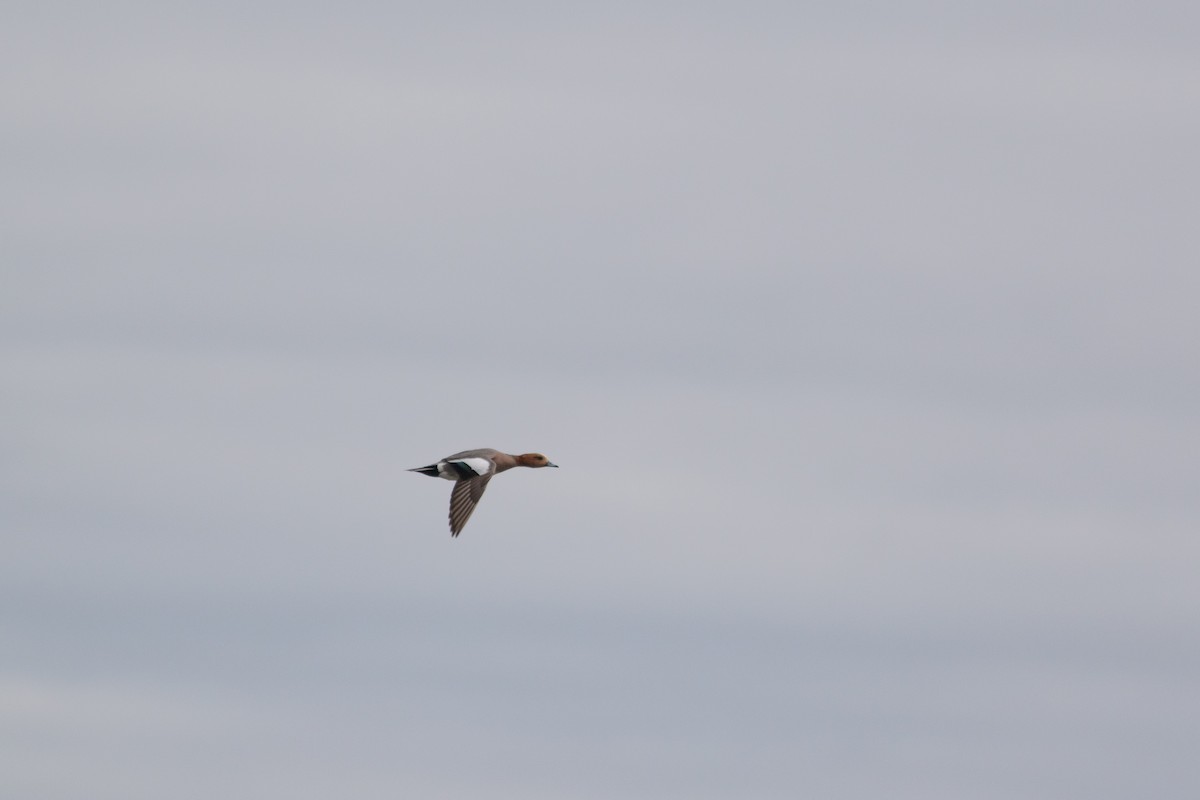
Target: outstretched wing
x=463 y=499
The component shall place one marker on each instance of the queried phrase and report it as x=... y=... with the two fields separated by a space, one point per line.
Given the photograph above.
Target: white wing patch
x=481 y=466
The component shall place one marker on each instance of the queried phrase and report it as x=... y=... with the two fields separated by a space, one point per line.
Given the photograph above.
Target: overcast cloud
x=865 y=336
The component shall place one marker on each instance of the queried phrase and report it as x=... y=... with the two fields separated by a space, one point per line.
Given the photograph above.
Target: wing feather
x=463 y=498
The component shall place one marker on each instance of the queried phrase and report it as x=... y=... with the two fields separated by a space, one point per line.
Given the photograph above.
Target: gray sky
x=865 y=335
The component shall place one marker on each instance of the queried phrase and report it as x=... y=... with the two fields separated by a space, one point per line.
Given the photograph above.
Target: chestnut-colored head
x=534 y=460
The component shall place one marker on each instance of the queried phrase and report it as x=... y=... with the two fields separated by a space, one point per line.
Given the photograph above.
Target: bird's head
x=534 y=460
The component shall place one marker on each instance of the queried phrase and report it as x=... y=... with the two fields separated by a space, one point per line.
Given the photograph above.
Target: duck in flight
x=471 y=470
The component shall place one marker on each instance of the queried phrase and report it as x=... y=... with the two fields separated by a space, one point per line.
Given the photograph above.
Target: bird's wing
x=469 y=467
x=463 y=499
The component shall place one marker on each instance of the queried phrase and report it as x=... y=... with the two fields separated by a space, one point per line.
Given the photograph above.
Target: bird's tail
x=431 y=471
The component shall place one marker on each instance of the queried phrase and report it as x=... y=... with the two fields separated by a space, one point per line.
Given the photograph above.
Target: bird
x=471 y=470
